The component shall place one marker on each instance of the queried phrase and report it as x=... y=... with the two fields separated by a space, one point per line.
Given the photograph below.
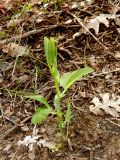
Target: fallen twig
x=17 y=38
x=81 y=23
x=2 y=137
x=113 y=123
x=104 y=73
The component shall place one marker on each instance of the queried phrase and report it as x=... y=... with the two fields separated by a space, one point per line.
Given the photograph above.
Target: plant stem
x=58 y=107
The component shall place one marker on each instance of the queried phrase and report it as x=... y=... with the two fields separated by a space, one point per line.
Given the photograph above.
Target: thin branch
x=3 y=136
x=27 y=34
x=81 y=23
x=104 y=73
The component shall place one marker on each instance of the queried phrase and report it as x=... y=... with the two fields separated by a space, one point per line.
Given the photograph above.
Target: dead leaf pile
x=15 y=50
x=109 y=106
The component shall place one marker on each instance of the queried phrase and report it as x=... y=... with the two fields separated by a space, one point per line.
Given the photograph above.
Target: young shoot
x=62 y=83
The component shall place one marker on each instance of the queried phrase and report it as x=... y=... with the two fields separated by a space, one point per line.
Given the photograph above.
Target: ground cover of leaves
x=91 y=136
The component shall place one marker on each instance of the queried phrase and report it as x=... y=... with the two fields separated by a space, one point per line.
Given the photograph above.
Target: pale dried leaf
x=118 y=21
x=117 y=53
x=15 y=50
x=7 y=4
x=118 y=29
x=90 y=1
x=25 y=128
x=22 y=78
x=110 y=106
x=46 y=143
x=1 y=78
x=29 y=141
x=76 y=35
x=75 y=5
x=31 y=155
x=68 y=21
x=13 y=22
x=36 y=1
x=7 y=147
x=94 y=23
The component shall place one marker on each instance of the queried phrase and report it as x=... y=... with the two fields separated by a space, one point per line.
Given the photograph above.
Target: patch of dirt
x=91 y=137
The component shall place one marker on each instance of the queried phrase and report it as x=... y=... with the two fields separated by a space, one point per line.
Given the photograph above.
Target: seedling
x=64 y=81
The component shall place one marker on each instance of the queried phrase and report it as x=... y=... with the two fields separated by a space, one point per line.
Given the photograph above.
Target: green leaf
x=40 y=115
x=67 y=79
x=50 y=52
x=46 y=48
x=53 y=51
x=39 y=99
x=26 y=7
x=68 y=115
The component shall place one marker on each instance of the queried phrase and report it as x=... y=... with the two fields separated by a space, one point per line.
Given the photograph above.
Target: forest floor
x=26 y=23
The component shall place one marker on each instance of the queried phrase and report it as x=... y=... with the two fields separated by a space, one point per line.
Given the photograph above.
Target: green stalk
x=58 y=101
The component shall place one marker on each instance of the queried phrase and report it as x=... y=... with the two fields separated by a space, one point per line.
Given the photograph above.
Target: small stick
x=104 y=73
x=81 y=23
x=2 y=137
x=113 y=123
x=17 y=38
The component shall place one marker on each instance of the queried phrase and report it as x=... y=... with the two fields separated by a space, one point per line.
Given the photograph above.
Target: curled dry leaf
x=118 y=21
x=35 y=2
x=90 y=1
x=13 y=22
x=117 y=54
x=1 y=78
x=68 y=21
x=7 y=4
x=29 y=141
x=46 y=143
x=118 y=29
x=94 y=23
x=15 y=50
x=110 y=106
x=75 y=5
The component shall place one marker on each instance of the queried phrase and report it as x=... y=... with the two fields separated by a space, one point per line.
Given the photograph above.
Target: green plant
x=64 y=81
x=26 y=8
x=58 y=3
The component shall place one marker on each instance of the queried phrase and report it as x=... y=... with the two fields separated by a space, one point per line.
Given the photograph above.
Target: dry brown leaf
x=35 y=1
x=68 y=21
x=7 y=4
x=117 y=54
x=1 y=78
x=13 y=22
x=8 y=147
x=46 y=143
x=95 y=22
x=110 y=106
x=15 y=50
x=30 y=140
x=118 y=29
x=118 y=21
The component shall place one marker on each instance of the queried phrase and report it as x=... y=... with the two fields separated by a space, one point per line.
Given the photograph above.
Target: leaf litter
x=83 y=129
x=15 y=50
x=95 y=21
x=109 y=106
